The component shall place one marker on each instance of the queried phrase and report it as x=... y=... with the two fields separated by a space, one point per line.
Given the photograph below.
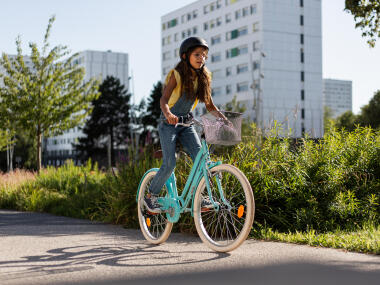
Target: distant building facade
x=97 y=64
x=267 y=53
x=337 y=95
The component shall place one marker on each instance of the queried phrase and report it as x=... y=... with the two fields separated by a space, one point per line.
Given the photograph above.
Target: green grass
x=364 y=240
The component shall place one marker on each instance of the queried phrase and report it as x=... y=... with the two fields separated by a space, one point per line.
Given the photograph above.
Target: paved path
x=45 y=249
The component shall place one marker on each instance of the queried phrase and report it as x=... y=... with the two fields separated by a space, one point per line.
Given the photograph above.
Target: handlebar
x=182 y=122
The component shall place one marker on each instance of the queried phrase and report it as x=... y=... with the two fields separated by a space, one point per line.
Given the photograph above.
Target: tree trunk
x=112 y=149
x=10 y=149
x=39 y=143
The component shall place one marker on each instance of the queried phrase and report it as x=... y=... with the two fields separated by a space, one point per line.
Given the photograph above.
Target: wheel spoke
x=158 y=230
x=222 y=228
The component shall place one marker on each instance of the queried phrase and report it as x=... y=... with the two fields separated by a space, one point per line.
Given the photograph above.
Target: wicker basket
x=217 y=131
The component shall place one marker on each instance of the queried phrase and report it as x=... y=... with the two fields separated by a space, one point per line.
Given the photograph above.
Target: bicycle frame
x=180 y=204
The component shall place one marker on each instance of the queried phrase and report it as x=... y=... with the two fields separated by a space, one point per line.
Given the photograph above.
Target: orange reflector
x=148 y=222
x=240 y=211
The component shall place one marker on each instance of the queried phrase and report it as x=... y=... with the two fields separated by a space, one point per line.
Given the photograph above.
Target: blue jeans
x=168 y=137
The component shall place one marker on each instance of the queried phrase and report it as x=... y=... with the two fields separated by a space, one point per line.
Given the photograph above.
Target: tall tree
x=5 y=139
x=328 y=121
x=153 y=109
x=367 y=17
x=7 y=132
x=51 y=96
x=149 y=119
x=109 y=120
x=370 y=113
x=347 y=120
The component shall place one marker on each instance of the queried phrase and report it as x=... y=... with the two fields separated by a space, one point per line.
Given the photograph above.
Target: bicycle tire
x=217 y=228
x=155 y=227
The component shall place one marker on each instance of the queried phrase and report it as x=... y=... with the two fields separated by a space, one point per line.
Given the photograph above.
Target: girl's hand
x=172 y=119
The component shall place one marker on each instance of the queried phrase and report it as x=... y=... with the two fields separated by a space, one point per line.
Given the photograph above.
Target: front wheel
x=226 y=226
x=155 y=227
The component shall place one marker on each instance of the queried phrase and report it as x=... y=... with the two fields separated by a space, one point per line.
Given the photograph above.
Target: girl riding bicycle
x=185 y=85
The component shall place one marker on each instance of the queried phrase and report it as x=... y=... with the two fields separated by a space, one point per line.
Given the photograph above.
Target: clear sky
x=134 y=27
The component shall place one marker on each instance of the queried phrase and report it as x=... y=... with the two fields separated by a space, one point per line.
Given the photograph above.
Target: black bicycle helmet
x=191 y=43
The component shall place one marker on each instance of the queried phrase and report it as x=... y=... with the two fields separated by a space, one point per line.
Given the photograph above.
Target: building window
x=228 y=71
x=303 y=113
x=302 y=55
x=236 y=33
x=183 y=34
x=228 y=2
x=255 y=65
x=195 y=30
x=205 y=26
x=195 y=14
x=165 y=71
x=301 y=20
x=232 y=52
x=236 y=51
x=176 y=52
x=237 y=14
x=303 y=95
x=212 y=24
x=255 y=45
x=218 y=21
x=228 y=18
x=301 y=3
x=212 y=6
x=241 y=68
x=242 y=87
x=205 y=9
x=215 y=40
x=176 y=37
x=218 y=4
x=256 y=27
x=243 y=50
x=166 y=40
x=172 y=23
x=228 y=89
x=216 y=91
x=245 y=11
x=302 y=76
x=216 y=57
x=253 y=9
x=188 y=16
x=216 y=74
x=302 y=39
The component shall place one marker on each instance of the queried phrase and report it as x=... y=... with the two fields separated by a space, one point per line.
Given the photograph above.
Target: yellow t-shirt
x=177 y=90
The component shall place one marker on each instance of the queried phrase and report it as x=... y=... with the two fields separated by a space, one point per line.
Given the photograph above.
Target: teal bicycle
x=226 y=225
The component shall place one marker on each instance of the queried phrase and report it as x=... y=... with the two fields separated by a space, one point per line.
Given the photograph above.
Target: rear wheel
x=226 y=228
x=155 y=227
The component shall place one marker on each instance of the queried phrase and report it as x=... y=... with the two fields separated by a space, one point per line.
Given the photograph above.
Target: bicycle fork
x=210 y=185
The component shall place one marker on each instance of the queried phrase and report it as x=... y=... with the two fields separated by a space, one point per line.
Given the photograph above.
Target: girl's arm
x=210 y=106
x=168 y=89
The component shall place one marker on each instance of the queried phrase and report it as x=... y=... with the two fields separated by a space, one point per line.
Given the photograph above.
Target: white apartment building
x=337 y=95
x=97 y=64
x=266 y=52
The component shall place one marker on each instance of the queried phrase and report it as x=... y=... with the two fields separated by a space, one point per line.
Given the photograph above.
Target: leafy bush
x=317 y=184
x=324 y=185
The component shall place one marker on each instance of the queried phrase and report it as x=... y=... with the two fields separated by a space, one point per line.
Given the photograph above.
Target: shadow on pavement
x=282 y=274
x=13 y=223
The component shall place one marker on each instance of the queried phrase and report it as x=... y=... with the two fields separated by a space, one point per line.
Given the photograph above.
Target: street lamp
x=256 y=87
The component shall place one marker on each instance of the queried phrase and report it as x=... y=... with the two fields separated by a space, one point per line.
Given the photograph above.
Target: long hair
x=203 y=92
